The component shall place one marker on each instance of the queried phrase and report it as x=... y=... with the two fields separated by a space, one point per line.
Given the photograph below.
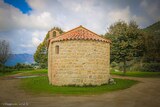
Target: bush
x=138 y=66
x=135 y=67
x=151 y=67
x=114 y=64
x=6 y=69
x=20 y=66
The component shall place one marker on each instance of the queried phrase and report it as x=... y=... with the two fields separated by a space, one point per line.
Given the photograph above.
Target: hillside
x=154 y=29
x=19 y=58
x=154 y=26
x=153 y=42
x=153 y=32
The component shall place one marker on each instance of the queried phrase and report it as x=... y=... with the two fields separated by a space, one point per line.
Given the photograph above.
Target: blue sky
x=22 y=5
x=24 y=23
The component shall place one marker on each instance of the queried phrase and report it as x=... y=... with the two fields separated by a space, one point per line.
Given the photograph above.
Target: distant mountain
x=20 y=58
x=153 y=43
x=154 y=29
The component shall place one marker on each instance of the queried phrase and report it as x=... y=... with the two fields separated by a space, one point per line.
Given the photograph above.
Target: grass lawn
x=41 y=85
x=137 y=74
x=25 y=72
x=38 y=85
x=35 y=72
x=9 y=73
x=113 y=72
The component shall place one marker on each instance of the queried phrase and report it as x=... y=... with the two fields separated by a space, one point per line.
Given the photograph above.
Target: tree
x=4 y=51
x=152 y=43
x=127 y=42
x=41 y=54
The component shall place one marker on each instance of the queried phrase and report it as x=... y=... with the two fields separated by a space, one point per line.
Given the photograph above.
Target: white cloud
x=37 y=37
x=118 y=14
x=12 y=18
x=26 y=31
x=35 y=21
x=151 y=8
x=36 y=41
x=26 y=45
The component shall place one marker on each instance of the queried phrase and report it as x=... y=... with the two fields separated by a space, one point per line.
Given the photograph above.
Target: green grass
x=9 y=73
x=39 y=85
x=25 y=72
x=137 y=74
x=35 y=72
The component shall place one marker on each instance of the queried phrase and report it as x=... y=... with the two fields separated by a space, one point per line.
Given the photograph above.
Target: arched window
x=57 y=49
x=54 y=33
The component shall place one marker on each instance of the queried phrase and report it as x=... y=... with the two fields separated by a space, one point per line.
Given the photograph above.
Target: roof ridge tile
x=79 y=33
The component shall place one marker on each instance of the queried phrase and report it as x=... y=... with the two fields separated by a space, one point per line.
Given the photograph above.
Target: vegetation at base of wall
x=40 y=85
x=136 y=73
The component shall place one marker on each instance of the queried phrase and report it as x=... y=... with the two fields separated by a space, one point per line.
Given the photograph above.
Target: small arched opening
x=57 y=49
x=54 y=33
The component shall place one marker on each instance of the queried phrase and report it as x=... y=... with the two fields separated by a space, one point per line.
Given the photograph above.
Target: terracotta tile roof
x=80 y=33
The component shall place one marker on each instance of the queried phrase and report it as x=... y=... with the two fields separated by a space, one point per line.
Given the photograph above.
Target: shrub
x=4 y=69
x=20 y=66
x=114 y=64
x=153 y=67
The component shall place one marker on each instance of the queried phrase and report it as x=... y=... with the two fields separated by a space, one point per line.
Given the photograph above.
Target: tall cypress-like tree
x=41 y=54
x=127 y=42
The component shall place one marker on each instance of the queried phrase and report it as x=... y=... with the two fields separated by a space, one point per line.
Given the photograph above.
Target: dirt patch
x=144 y=94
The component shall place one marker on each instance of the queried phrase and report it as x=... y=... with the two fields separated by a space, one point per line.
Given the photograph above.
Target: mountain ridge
x=24 y=58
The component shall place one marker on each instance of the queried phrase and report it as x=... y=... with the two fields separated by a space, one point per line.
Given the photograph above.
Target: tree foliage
x=41 y=54
x=152 y=43
x=127 y=42
x=4 y=51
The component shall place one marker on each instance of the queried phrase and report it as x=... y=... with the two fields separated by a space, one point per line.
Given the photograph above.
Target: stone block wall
x=79 y=62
